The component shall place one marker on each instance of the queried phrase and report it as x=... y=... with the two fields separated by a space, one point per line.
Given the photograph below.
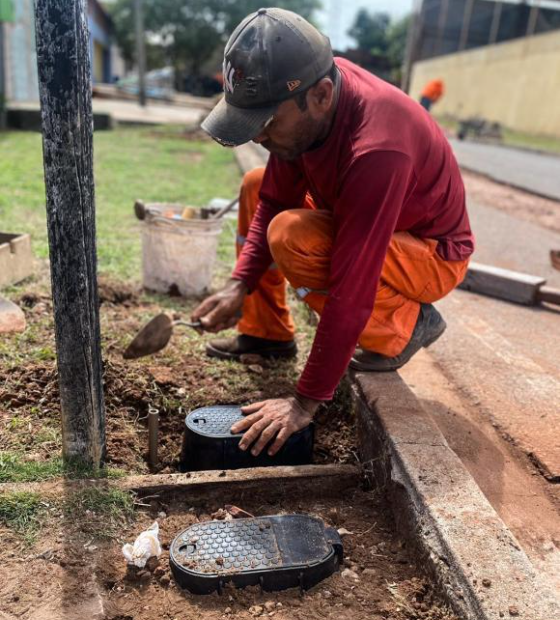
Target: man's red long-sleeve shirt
x=385 y=167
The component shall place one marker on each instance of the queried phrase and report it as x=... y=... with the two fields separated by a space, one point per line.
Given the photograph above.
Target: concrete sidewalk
x=132 y=113
x=534 y=172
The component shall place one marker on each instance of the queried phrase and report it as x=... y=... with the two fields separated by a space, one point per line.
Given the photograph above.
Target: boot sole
x=364 y=367
x=267 y=354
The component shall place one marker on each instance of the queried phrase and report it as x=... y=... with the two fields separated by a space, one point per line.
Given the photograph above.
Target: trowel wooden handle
x=227 y=208
x=195 y=325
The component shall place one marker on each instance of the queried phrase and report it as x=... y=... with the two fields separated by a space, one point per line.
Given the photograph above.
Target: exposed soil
x=175 y=381
x=382 y=580
x=528 y=504
x=516 y=202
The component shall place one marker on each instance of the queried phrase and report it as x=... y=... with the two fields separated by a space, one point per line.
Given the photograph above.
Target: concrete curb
x=439 y=508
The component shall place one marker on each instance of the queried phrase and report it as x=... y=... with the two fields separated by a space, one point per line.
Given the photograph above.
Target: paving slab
x=531 y=171
x=439 y=507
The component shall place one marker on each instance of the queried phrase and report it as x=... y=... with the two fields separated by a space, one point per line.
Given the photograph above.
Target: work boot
x=234 y=348
x=429 y=327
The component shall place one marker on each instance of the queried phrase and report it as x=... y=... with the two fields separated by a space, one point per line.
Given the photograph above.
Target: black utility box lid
x=276 y=552
x=209 y=444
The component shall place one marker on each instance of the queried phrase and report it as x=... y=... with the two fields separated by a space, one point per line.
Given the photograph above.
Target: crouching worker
x=361 y=208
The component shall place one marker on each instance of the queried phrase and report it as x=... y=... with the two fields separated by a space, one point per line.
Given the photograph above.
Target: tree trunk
x=67 y=121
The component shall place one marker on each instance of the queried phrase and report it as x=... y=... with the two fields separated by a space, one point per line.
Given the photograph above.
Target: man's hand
x=277 y=418
x=223 y=309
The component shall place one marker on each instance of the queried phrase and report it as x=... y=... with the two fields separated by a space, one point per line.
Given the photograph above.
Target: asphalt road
x=534 y=172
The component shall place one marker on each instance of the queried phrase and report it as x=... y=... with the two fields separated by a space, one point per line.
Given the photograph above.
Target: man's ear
x=321 y=95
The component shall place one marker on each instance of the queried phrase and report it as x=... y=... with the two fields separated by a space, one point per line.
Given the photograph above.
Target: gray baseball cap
x=271 y=56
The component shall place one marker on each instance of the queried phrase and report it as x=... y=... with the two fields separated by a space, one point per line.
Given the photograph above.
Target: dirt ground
x=75 y=568
x=75 y=575
x=513 y=201
x=175 y=381
x=527 y=502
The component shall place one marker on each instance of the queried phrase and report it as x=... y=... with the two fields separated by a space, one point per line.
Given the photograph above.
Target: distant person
x=433 y=91
x=361 y=208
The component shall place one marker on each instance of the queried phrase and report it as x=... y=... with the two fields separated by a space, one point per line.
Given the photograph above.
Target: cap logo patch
x=293 y=84
x=229 y=72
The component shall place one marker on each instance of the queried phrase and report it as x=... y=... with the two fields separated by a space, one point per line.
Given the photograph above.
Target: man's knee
x=283 y=232
x=298 y=233
x=252 y=180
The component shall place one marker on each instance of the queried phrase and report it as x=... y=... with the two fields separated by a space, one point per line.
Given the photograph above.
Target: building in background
x=448 y=26
x=20 y=60
x=500 y=61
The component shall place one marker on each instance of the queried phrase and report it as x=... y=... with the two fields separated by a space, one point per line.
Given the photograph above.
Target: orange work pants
x=300 y=241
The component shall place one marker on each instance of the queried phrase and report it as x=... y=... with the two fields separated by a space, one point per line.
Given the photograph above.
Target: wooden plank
x=303 y=480
x=501 y=283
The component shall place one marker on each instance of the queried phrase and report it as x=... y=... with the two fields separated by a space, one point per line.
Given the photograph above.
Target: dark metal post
x=67 y=122
x=495 y=27
x=140 y=50
x=533 y=18
x=467 y=15
x=413 y=43
x=443 y=11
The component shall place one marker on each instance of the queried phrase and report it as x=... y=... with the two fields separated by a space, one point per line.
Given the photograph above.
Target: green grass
x=15 y=468
x=511 y=137
x=21 y=512
x=154 y=164
x=531 y=141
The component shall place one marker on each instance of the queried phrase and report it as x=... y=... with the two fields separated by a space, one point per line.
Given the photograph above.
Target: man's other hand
x=223 y=309
x=276 y=419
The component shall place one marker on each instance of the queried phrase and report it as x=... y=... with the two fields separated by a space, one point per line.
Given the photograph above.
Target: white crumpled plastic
x=145 y=546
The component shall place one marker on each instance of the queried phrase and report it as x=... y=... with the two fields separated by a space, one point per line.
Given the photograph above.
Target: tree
x=382 y=39
x=396 y=45
x=188 y=33
x=370 y=32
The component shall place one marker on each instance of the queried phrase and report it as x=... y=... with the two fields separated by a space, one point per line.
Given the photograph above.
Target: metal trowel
x=154 y=336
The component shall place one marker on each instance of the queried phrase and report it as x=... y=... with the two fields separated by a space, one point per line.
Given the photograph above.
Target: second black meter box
x=209 y=444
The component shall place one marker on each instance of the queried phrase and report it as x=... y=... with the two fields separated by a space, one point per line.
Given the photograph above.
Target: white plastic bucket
x=178 y=253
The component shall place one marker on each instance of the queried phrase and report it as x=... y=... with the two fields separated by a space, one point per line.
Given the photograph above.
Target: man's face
x=292 y=131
